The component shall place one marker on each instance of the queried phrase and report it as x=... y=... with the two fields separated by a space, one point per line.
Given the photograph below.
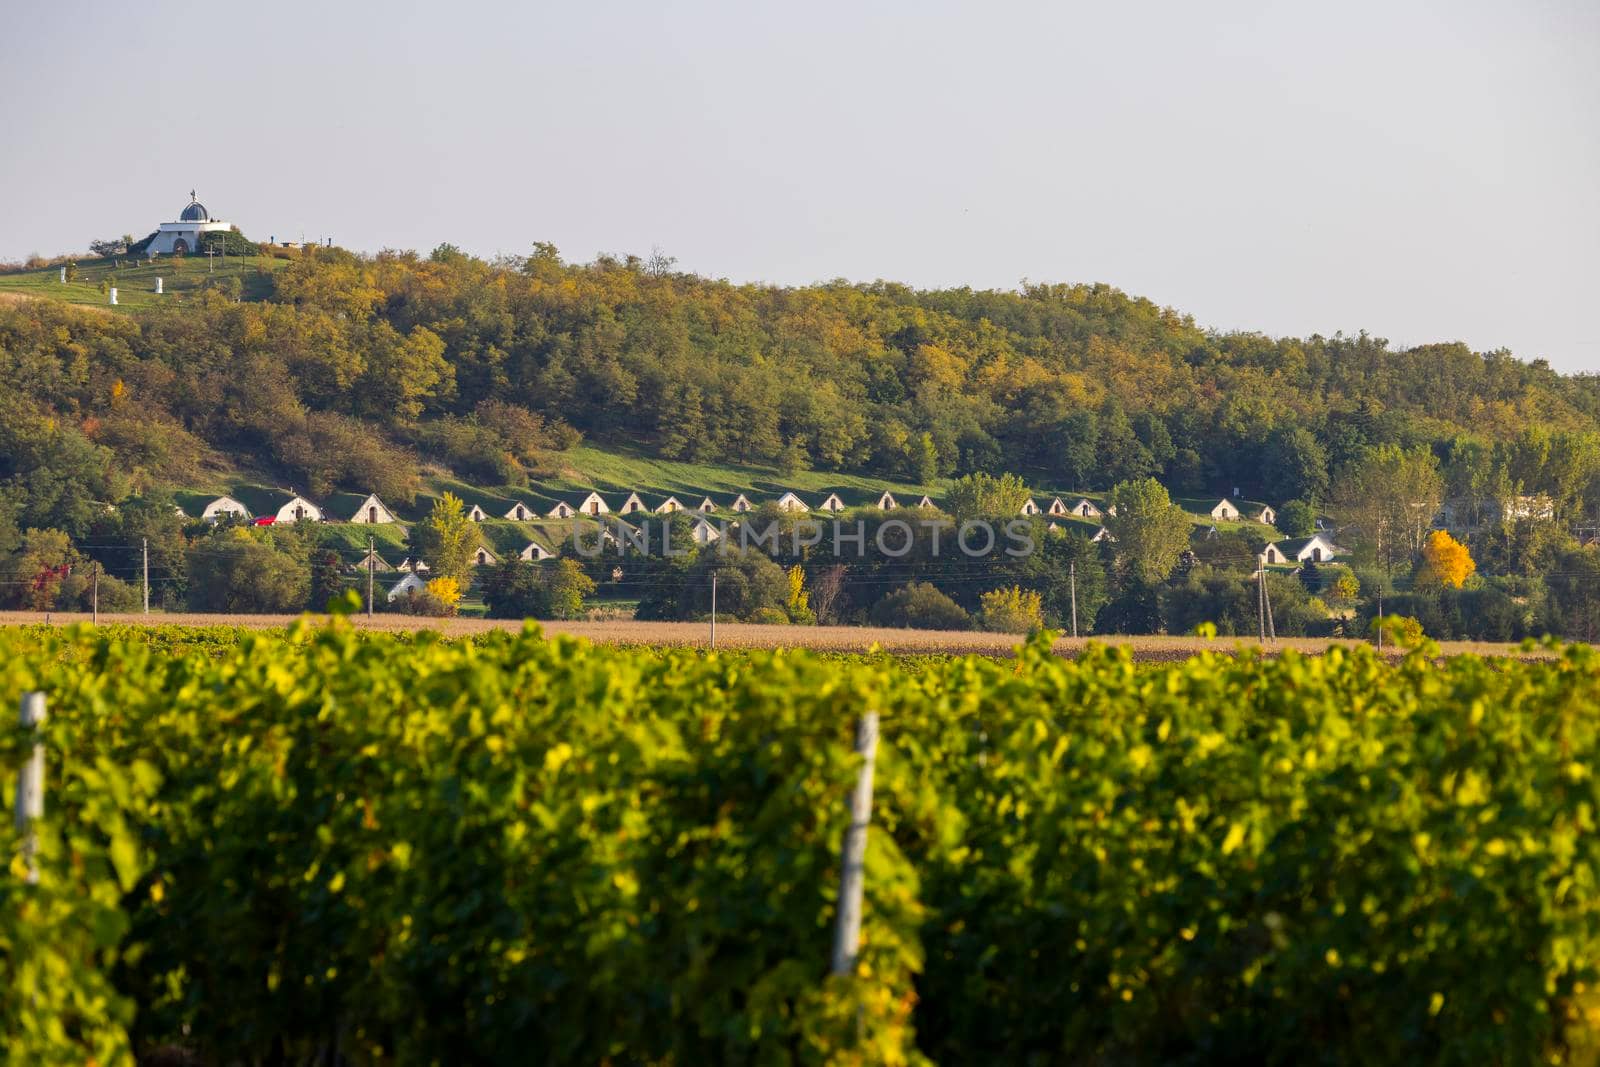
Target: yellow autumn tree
x=799 y=598
x=1010 y=611
x=1445 y=561
x=446 y=590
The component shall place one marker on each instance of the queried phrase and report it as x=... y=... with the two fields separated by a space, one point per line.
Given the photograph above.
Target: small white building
x=706 y=506
x=927 y=502
x=790 y=502
x=476 y=513
x=483 y=557
x=1086 y=508
x=520 y=512
x=562 y=510
x=741 y=504
x=632 y=504
x=704 y=533
x=410 y=583
x=372 y=511
x=188 y=233
x=1028 y=507
x=413 y=567
x=1265 y=515
x=224 y=505
x=1057 y=508
x=535 y=552
x=1102 y=534
x=296 y=508
x=831 y=503
x=887 y=502
x=1224 y=510
x=669 y=506
x=1313 y=549
x=594 y=504
x=372 y=560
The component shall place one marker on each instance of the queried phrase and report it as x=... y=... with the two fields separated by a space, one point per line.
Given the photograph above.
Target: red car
x=265 y=520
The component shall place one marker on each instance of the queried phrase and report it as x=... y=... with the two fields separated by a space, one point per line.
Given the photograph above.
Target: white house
x=631 y=505
x=190 y=233
x=887 y=502
x=669 y=506
x=741 y=504
x=483 y=557
x=376 y=561
x=298 y=509
x=1056 y=508
x=594 y=504
x=1102 y=534
x=372 y=511
x=406 y=585
x=418 y=567
x=1028 y=507
x=790 y=502
x=703 y=532
x=519 y=512
x=1265 y=515
x=535 y=552
x=476 y=513
x=1538 y=506
x=224 y=505
x=562 y=510
x=706 y=506
x=926 y=502
x=831 y=503
x=1224 y=509
x=1086 y=508
x=1313 y=549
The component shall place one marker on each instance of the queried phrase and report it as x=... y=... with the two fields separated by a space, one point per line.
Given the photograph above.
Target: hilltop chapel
x=183 y=236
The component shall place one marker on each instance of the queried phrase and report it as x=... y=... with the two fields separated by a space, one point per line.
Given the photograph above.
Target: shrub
x=1012 y=610
x=920 y=606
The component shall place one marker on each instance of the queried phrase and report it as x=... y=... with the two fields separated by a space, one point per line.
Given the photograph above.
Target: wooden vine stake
x=30 y=785
x=847 y=931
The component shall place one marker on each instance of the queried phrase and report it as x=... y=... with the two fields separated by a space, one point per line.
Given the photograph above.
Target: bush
x=1011 y=610
x=920 y=606
x=518 y=589
x=770 y=616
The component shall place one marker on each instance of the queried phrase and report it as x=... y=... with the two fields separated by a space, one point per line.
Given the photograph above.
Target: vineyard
x=337 y=847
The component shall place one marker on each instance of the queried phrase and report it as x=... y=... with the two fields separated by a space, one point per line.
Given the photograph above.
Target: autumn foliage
x=1445 y=561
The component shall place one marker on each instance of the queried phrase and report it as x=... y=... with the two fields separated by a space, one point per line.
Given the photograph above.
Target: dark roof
x=261 y=500
x=195 y=212
x=1292 y=546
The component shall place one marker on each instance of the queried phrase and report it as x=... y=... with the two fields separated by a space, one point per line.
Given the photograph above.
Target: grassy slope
x=613 y=472
x=136 y=284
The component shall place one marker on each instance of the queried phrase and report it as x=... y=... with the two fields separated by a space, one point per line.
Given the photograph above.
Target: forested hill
x=353 y=370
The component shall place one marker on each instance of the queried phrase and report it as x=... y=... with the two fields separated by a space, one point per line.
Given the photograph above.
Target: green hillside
x=136 y=280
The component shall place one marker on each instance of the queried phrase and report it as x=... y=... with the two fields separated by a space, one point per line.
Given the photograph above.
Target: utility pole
x=145 y=544
x=713 y=611
x=1072 y=573
x=1379 y=620
x=1261 y=601
x=94 y=576
x=1266 y=594
x=371 y=552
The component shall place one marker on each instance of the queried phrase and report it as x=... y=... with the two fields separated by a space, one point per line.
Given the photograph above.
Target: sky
x=1422 y=171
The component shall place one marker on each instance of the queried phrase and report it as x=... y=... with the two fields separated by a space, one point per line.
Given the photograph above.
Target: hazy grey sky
x=1422 y=171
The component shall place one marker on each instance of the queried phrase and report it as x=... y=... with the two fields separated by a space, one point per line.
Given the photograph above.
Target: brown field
x=749 y=635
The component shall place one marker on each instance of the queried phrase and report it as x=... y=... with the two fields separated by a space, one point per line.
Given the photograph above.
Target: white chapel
x=183 y=236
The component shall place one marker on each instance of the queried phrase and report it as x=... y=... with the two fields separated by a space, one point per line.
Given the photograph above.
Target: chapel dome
x=195 y=212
